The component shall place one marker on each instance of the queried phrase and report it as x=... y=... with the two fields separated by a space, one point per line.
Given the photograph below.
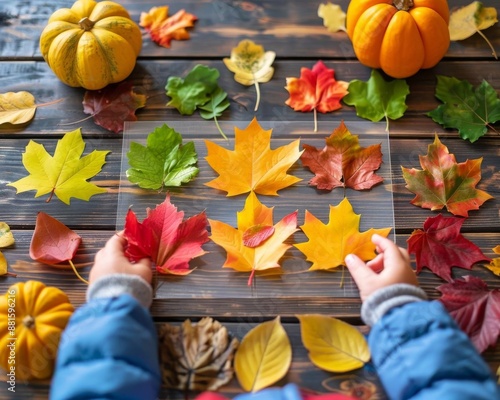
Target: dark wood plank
x=294 y=30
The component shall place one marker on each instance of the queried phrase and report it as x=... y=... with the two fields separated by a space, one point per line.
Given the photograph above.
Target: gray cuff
x=117 y=284
x=382 y=300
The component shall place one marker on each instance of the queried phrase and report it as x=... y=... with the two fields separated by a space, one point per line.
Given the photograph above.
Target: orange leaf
x=252 y=165
x=329 y=244
x=164 y=29
x=264 y=256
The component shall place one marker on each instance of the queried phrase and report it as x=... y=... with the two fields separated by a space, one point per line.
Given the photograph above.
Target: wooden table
x=293 y=30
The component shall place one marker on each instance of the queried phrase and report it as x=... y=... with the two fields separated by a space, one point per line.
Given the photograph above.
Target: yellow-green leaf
x=333 y=17
x=333 y=345
x=16 y=107
x=263 y=357
x=65 y=174
x=6 y=236
x=467 y=20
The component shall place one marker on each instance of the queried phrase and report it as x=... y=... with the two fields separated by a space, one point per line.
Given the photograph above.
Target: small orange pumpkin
x=399 y=36
x=32 y=318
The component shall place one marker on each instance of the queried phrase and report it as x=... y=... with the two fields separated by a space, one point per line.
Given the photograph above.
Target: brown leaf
x=196 y=356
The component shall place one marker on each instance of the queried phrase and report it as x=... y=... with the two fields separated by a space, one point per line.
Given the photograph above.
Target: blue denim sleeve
x=108 y=350
x=420 y=353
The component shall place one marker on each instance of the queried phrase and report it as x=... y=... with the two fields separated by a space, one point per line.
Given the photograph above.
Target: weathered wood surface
x=294 y=31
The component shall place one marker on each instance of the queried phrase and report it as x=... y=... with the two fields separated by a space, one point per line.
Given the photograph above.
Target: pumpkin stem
x=403 y=5
x=86 y=24
x=29 y=321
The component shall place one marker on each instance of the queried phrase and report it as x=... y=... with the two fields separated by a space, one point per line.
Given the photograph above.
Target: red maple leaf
x=445 y=183
x=164 y=237
x=475 y=309
x=315 y=90
x=112 y=106
x=440 y=246
x=343 y=162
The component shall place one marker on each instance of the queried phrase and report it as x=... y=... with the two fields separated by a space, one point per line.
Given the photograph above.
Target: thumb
x=358 y=269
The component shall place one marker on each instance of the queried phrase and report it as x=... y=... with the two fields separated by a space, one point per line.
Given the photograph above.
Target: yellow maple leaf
x=333 y=17
x=494 y=265
x=252 y=165
x=333 y=345
x=329 y=244
x=256 y=258
x=65 y=174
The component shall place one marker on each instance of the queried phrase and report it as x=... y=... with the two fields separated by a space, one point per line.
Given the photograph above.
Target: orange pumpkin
x=32 y=318
x=399 y=36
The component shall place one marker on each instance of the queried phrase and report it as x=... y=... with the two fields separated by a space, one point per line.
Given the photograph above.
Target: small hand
x=111 y=259
x=390 y=266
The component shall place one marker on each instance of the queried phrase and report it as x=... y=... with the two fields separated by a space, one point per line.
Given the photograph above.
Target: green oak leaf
x=469 y=110
x=217 y=103
x=192 y=91
x=377 y=99
x=164 y=161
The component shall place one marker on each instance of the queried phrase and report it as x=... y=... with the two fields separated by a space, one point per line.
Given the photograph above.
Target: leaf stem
x=315 y=120
x=50 y=103
x=386 y=123
x=257 y=89
x=250 y=278
x=76 y=272
x=219 y=128
x=50 y=196
x=493 y=52
x=76 y=122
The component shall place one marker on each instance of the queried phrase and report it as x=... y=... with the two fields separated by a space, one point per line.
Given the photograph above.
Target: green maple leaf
x=377 y=99
x=65 y=174
x=164 y=161
x=469 y=110
x=214 y=107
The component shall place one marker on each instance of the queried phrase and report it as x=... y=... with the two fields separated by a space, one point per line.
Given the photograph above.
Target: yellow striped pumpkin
x=91 y=44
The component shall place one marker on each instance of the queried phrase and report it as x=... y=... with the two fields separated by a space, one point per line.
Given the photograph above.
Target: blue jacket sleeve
x=109 y=350
x=420 y=353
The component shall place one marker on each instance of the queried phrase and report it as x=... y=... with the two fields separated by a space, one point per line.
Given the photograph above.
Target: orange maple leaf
x=316 y=90
x=164 y=29
x=329 y=244
x=252 y=165
x=268 y=252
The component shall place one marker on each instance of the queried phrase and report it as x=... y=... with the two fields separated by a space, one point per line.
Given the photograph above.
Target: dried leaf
x=333 y=17
x=445 y=183
x=263 y=357
x=475 y=308
x=315 y=90
x=466 y=21
x=329 y=244
x=471 y=111
x=333 y=345
x=252 y=165
x=163 y=29
x=112 y=106
x=440 y=246
x=196 y=356
x=343 y=162
x=52 y=241
x=65 y=174
x=6 y=236
x=165 y=238
x=267 y=253
x=494 y=265
x=377 y=99
x=17 y=108
x=251 y=65
x=163 y=162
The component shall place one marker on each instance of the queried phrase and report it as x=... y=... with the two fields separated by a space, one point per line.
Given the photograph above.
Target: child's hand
x=111 y=260
x=390 y=266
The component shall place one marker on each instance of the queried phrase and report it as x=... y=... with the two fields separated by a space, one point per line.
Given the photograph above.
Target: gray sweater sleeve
x=117 y=284
x=382 y=300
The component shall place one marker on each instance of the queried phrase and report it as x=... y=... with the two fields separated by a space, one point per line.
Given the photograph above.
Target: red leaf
x=316 y=89
x=52 y=241
x=112 y=106
x=257 y=234
x=343 y=162
x=440 y=246
x=165 y=238
x=475 y=309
